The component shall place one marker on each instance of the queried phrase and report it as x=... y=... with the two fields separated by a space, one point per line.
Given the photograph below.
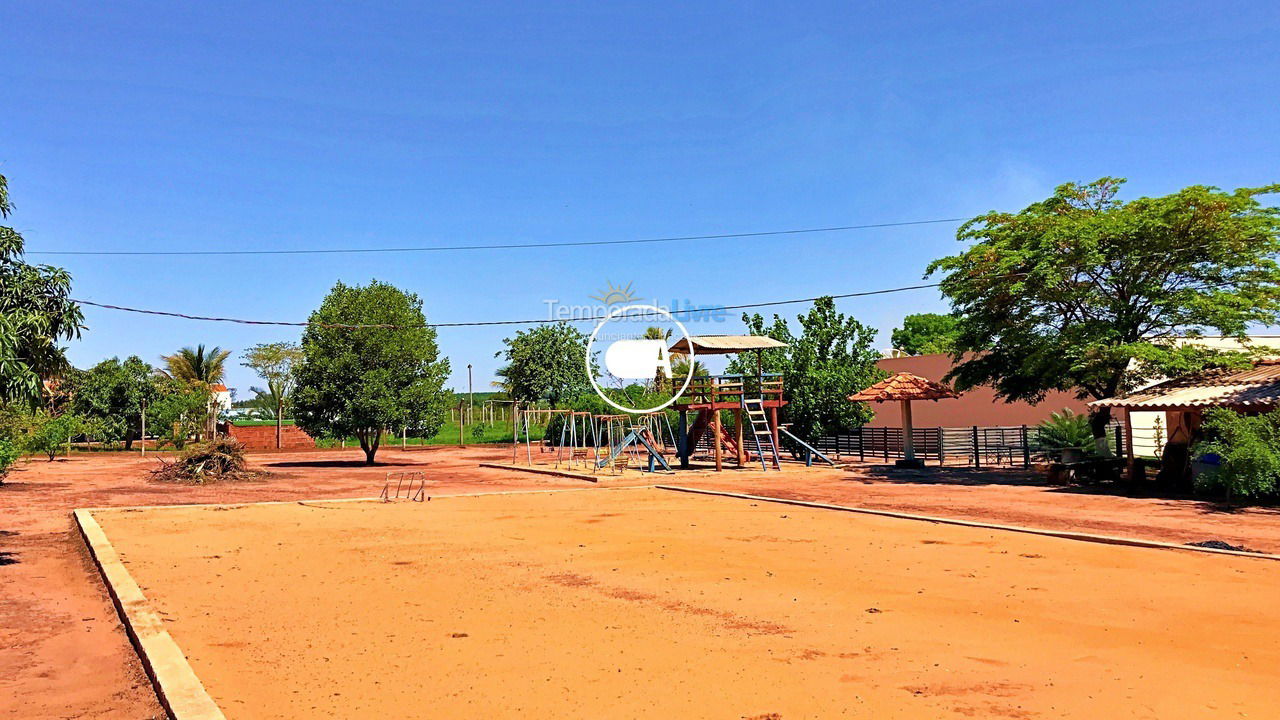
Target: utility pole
x=471 y=402
x=142 y=441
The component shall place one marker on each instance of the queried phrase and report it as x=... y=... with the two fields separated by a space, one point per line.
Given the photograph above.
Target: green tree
x=1068 y=293
x=47 y=434
x=110 y=397
x=35 y=313
x=926 y=334
x=832 y=357
x=548 y=361
x=275 y=363
x=358 y=381
x=195 y=364
x=179 y=409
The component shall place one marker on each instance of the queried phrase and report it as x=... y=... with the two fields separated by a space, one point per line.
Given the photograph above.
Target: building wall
x=978 y=406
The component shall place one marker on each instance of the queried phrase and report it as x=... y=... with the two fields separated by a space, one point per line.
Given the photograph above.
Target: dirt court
x=637 y=602
x=63 y=653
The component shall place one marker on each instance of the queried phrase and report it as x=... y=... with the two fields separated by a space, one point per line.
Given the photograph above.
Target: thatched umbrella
x=905 y=387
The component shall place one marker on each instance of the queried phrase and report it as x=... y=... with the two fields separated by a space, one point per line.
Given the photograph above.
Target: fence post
x=862 y=443
x=1026 y=448
x=942 y=452
x=886 y=444
x=1119 y=441
x=976 y=461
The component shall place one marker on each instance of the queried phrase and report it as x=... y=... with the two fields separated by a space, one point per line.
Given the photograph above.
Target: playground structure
x=645 y=441
x=754 y=402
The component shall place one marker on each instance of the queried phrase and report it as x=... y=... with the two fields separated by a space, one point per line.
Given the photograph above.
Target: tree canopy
x=110 y=395
x=545 y=362
x=832 y=357
x=35 y=313
x=1085 y=292
x=198 y=365
x=926 y=334
x=275 y=363
x=359 y=381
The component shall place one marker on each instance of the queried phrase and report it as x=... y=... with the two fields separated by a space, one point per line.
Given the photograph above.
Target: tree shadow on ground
x=8 y=558
x=976 y=477
x=933 y=475
x=337 y=464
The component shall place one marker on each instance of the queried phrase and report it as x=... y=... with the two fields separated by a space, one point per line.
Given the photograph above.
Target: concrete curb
x=1061 y=534
x=542 y=471
x=176 y=684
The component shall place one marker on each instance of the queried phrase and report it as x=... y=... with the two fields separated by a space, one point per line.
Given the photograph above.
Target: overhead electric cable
x=499 y=246
x=484 y=323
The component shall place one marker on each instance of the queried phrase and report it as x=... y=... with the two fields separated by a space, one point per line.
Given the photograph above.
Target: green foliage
x=109 y=396
x=358 y=381
x=545 y=362
x=178 y=410
x=9 y=454
x=1064 y=294
x=274 y=363
x=1065 y=430
x=1248 y=448
x=832 y=358
x=478 y=432
x=197 y=365
x=48 y=434
x=35 y=313
x=926 y=333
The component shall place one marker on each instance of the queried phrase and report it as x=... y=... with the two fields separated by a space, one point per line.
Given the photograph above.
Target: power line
x=486 y=323
x=499 y=246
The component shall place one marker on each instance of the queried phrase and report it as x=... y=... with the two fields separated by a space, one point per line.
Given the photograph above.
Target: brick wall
x=263 y=437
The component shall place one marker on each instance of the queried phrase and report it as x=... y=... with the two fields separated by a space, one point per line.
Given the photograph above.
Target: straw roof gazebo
x=905 y=387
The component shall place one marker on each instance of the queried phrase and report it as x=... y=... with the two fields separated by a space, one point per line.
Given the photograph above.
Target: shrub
x=1064 y=430
x=1248 y=452
x=218 y=460
x=8 y=456
x=477 y=431
x=48 y=434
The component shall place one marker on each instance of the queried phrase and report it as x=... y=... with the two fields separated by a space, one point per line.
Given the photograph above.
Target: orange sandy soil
x=637 y=602
x=63 y=654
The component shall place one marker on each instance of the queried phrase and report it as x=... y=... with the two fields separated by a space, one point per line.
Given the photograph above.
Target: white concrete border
x=1061 y=534
x=179 y=690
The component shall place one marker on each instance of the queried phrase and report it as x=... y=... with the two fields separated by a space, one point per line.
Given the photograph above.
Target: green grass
x=448 y=435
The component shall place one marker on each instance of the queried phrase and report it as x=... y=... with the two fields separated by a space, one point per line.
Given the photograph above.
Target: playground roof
x=904 y=386
x=724 y=344
x=1257 y=387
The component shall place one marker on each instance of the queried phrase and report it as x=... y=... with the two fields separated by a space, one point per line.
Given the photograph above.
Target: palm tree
x=656 y=333
x=197 y=365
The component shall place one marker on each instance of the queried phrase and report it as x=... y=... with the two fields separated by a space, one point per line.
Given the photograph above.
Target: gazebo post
x=908 y=442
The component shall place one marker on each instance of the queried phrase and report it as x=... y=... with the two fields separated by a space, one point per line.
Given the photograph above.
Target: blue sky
x=162 y=126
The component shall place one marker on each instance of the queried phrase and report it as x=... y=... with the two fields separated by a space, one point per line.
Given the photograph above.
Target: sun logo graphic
x=613 y=295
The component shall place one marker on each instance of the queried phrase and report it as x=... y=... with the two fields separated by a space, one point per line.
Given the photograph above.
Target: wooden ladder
x=753 y=412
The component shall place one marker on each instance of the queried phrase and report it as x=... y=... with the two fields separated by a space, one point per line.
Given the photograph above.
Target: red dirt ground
x=63 y=653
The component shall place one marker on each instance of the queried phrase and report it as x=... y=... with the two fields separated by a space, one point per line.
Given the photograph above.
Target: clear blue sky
x=278 y=125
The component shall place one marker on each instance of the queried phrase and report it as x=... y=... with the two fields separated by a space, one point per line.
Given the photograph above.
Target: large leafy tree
x=545 y=362
x=832 y=357
x=358 y=381
x=1085 y=292
x=926 y=334
x=110 y=395
x=197 y=364
x=35 y=313
x=275 y=363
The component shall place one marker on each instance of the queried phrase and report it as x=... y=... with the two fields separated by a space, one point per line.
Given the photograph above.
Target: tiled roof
x=725 y=344
x=218 y=387
x=904 y=386
x=1256 y=387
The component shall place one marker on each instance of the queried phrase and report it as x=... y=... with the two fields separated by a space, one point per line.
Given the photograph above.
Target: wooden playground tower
x=753 y=400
